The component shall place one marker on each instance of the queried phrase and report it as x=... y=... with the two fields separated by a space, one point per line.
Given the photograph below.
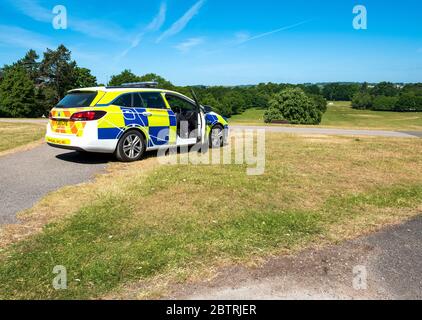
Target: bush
x=409 y=102
x=320 y=102
x=362 y=101
x=17 y=94
x=383 y=103
x=272 y=114
x=294 y=105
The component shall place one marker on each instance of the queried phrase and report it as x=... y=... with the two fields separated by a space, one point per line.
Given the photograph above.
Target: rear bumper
x=88 y=142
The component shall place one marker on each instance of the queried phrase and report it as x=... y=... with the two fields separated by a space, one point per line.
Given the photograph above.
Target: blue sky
x=225 y=42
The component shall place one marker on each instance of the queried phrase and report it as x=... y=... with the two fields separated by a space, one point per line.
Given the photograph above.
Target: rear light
x=50 y=115
x=87 y=115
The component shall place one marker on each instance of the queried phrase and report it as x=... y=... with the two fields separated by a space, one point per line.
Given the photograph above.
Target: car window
x=178 y=104
x=153 y=100
x=77 y=99
x=124 y=101
x=137 y=101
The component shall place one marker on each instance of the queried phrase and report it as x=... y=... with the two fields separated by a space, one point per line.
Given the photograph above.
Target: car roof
x=120 y=89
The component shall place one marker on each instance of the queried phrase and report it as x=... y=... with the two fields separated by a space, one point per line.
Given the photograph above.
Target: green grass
x=175 y=221
x=342 y=115
x=17 y=134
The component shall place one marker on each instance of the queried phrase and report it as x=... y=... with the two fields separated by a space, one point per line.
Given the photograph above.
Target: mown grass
x=13 y=135
x=341 y=115
x=176 y=221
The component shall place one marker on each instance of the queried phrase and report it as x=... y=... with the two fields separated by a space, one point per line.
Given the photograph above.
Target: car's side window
x=153 y=100
x=124 y=101
x=137 y=101
x=178 y=104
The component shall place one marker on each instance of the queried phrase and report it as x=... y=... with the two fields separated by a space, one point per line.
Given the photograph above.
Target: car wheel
x=216 y=137
x=131 y=147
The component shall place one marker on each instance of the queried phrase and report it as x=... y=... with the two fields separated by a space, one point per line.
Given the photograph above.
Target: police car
x=131 y=119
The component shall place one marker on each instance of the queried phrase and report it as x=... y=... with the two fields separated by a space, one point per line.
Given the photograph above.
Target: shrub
x=409 y=102
x=272 y=114
x=383 y=103
x=320 y=102
x=362 y=101
x=294 y=105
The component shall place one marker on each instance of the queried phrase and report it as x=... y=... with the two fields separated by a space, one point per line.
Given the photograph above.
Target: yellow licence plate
x=58 y=141
x=62 y=123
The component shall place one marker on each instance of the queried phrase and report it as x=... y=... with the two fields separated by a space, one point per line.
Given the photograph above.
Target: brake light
x=87 y=115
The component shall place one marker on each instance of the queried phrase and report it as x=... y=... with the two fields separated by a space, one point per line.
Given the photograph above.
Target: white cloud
x=23 y=38
x=187 y=45
x=180 y=24
x=92 y=28
x=154 y=25
x=262 y=35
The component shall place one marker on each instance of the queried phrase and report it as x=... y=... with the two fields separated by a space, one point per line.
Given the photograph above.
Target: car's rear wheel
x=216 y=137
x=131 y=147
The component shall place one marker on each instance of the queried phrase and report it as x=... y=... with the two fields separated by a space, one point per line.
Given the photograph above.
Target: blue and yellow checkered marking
x=160 y=127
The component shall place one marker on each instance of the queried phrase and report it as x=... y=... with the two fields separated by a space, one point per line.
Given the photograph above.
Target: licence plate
x=62 y=123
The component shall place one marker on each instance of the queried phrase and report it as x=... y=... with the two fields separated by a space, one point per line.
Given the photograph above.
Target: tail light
x=50 y=115
x=87 y=115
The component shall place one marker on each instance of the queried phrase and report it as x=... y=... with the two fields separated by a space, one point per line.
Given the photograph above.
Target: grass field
x=145 y=226
x=14 y=135
x=341 y=115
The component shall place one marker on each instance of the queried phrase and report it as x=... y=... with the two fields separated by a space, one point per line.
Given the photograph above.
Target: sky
x=216 y=42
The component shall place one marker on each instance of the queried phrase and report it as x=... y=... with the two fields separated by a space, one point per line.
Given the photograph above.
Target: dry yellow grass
x=179 y=223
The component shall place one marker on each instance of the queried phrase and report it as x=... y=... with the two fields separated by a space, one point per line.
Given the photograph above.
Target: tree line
x=31 y=86
x=387 y=96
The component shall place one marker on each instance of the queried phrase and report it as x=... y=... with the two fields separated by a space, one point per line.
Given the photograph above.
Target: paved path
x=326 y=131
x=392 y=260
x=25 y=177
x=294 y=130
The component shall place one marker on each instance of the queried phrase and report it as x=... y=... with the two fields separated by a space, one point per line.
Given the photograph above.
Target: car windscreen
x=77 y=99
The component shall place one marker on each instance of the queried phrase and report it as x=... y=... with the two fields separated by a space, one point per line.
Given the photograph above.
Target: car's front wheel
x=131 y=147
x=216 y=137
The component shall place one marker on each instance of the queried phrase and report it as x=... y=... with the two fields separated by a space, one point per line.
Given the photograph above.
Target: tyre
x=131 y=147
x=216 y=137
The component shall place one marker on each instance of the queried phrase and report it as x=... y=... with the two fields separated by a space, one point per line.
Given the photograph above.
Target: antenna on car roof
x=148 y=84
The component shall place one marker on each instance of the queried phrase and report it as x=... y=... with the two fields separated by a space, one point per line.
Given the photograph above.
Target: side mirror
x=208 y=109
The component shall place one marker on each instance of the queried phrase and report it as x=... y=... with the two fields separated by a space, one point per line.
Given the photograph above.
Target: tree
x=362 y=101
x=31 y=65
x=408 y=102
x=295 y=106
x=339 y=91
x=84 y=78
x=58 y=71
x=383 y=103
x=387 y=89
x=17 y=93
x=126 y=76
x=320 y=102
x=162 y=83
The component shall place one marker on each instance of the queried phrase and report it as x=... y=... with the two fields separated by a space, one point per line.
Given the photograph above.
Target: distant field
x=14 y=135
x=341 y=115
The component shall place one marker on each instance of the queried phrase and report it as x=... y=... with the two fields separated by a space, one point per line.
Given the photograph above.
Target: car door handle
x=147 y=114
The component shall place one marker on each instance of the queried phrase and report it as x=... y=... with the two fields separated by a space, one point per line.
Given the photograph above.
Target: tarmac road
x=25 y=177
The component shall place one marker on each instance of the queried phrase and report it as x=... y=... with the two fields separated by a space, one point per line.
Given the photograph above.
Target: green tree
x=320 y=102
x=387 y=89
x=57 y=70
x=31 y=65
x=84 y=78
x=17 y=93
x=126 y=76
x=362 y=101
x=383 y=103
x=162 y=83
x=295 y=106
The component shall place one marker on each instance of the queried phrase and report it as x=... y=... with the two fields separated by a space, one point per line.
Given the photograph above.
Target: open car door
x=202 y=125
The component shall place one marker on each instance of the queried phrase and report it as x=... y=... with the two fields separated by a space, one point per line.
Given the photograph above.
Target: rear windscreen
x=77 y=99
